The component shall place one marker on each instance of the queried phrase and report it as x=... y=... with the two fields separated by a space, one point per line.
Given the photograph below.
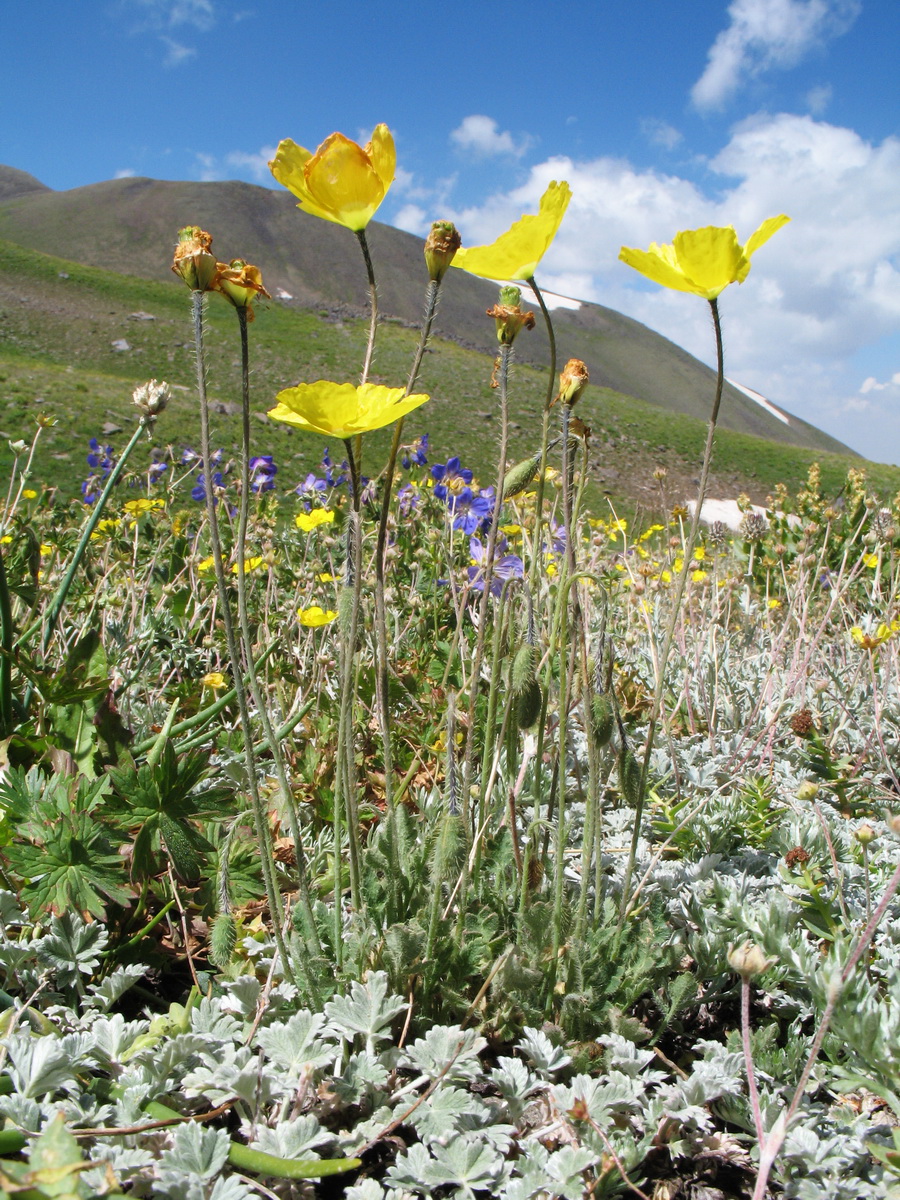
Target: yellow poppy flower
x=311 y=520
x=315 y=616
x=702 y=261
x=214 y=680
x=343 y=409
x=516 y=253
x=343 y=181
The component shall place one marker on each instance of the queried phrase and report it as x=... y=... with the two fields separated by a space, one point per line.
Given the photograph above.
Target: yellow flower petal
x=250 y=564
x=311 y=520
x=701 y=261
x=516 y=253
x=343 y=409
x=343 y=181
x=206 y=564
x=315 y=616
x=215 y=680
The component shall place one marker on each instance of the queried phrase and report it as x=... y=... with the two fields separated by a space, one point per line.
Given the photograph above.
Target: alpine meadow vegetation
x=392 y=832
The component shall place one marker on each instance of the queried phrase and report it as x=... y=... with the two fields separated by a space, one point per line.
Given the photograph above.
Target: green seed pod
x=523 y=668
x=222 y=940
x=182 y=854
x=528 y=705
x=630 y=778
x=603 y=719
x=519 y=476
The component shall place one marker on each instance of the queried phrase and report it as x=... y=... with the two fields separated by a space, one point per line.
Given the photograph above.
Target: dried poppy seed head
x=802 y=723
x=754 y=527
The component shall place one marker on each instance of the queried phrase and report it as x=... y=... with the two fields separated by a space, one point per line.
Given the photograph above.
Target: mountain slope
x=129 y=226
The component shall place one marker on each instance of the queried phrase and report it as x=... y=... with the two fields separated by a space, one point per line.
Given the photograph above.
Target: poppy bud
x=193 y=260
x=509 y=316
x=441 y=246
x=748 y=960
x=573 y=380
x=240 y=283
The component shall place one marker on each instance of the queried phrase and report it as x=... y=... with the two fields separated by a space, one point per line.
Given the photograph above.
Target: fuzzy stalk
x=672 y=624
x=381 y=673
x=488 y=579
x=260 y=816
x=256 y=691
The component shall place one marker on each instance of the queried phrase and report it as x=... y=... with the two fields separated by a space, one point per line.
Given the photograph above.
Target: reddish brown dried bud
x=802 y=723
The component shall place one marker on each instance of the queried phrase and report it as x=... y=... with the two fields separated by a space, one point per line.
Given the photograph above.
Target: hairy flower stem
x=373 y=305
x=345 y=765
x=381 y=675
x=545 y=441
x=672 y=624
x=488 y=579
x=260 y=816
x=259 y=699
x=6 y=651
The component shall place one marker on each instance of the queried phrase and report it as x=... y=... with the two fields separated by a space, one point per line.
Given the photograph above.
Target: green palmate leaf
x=368 y=1010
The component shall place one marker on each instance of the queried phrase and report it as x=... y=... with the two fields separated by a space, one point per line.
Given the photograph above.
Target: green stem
x=487 y=580
x=676 y=608
x=6 y=651
x=260 y=816
x=259 y=699
x=382 y=681
x=373 y=305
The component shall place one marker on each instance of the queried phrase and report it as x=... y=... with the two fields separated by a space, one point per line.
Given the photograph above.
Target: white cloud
x=826 y=288
x=660 y=133
x=172 y=13
x=872 y=385
x=818 y=99
x=764 y=34
x=481 y=135
x=176 y=53
x=125 y=173
x=257 y=164
x=412 y=219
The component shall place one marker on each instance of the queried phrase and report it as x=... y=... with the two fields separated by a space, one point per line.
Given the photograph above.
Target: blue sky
x=662 y=115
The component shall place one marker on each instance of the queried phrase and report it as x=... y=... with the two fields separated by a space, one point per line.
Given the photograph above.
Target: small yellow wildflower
x=214 y=680
x=135 y=507
x=315 y=616
x=45 y=549
x=871 y=561
x=5 y=540
x=773 y=602
x=29 y=494
x=327 y=577
x=250 y=564
x=104 y=528
x=698 y=576
x=206 y=564
x=308 y=521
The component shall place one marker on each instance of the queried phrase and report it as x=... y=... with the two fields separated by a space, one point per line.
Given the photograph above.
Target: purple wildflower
x=449 y=477
x=417 y=453
x=262 y=473
x=506 y=567
x=470 y=512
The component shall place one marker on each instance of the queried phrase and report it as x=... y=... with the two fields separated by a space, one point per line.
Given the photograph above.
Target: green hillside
x=59 y=320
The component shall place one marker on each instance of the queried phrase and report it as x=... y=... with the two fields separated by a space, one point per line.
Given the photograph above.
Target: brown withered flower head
x=193 y=260
x=509 y=315
x=240 y=283
x=802 y=723
x=441 y=246
x=573 y=379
